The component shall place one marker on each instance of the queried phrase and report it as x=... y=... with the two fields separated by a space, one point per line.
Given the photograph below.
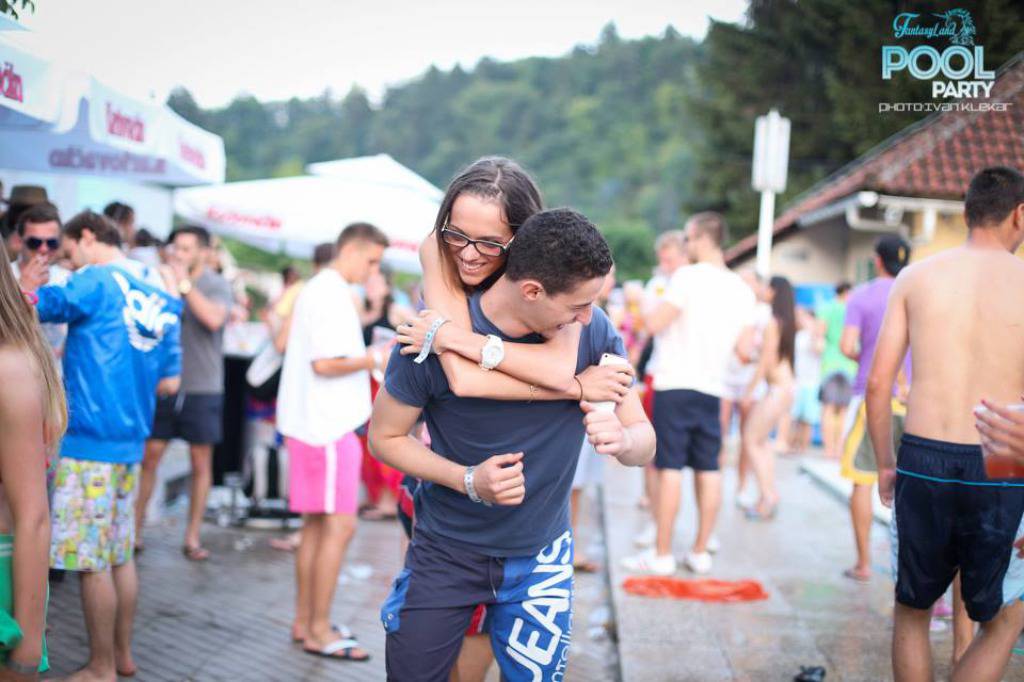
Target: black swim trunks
x=949 y=516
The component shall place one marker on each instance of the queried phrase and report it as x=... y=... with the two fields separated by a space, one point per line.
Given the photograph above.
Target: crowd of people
x=476 y=410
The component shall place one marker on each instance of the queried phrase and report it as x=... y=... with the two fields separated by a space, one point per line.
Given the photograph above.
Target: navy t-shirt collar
x=483 y=325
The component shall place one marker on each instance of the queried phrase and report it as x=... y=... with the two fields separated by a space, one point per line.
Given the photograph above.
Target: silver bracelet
x=428 y=340
x=467 y=479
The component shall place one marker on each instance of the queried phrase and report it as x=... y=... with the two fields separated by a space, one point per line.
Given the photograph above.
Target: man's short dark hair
x=993 y=193
x=102 y=228
x=842 y=288
x=201 y=234
x=364 y=232
x=559 y=248
x=40 y=213
x=323 y=254
x=119 y=212
x=144 y=238
x=711 y=224
x=894 y=252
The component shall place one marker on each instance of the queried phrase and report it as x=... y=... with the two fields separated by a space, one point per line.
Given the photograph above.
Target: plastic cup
x=1001 y=466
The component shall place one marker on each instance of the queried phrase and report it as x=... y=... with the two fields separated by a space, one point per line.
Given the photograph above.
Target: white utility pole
x=771 y=159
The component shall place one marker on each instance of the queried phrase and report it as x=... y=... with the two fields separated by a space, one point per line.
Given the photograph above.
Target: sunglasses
x=483 y=247
x=35 y=243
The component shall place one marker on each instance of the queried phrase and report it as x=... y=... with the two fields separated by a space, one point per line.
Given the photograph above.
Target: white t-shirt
x=653 y=293
x=695 y=348
x=807 y=359
x=316 y=409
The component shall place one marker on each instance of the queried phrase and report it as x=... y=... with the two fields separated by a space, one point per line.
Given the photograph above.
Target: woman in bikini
x=775 y=367
x=33 y=416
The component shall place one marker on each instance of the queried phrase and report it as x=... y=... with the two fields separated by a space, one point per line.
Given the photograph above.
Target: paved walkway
x=229 y=618
x=813 y=617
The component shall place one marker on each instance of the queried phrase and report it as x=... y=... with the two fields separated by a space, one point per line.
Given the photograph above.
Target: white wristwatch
x=492 y=353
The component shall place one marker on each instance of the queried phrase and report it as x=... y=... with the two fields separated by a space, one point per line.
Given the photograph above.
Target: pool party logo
x=957 y=72
x=10 y=83
x=956 y=24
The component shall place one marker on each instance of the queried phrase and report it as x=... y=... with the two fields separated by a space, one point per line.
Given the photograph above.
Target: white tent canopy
x=381 y=170
x=59 y=120
x=293 y=215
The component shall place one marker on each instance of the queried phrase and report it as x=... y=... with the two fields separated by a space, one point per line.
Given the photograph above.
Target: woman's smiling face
x=478 y=219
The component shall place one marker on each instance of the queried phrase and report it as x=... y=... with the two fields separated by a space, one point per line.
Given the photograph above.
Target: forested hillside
x=635 y=133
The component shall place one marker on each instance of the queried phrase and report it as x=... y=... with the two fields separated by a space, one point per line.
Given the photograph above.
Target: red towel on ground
x=701 y=590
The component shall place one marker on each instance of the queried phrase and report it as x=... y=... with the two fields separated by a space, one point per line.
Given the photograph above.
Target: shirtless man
x=960 y=314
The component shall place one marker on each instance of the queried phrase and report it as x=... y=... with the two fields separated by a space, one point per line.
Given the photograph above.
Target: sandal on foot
x=342 y=631
x=856 y=577
x=195 y=552
x=755 y=514
x=810 y=674
x=339 y=649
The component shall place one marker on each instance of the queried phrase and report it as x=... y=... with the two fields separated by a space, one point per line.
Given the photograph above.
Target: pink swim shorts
x=324 y=479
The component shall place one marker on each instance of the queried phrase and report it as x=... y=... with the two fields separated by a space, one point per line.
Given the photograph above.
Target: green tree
x=636 y=133
x=10 y=7
x=632 y=247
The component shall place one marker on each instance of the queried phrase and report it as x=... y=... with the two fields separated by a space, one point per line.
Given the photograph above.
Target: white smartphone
x=610 y=359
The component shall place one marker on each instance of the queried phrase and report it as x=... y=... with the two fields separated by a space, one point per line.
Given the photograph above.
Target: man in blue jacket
x=122 y=348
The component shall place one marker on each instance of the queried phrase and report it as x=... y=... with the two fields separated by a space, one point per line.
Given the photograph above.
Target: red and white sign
x=240 y=219
x=68 y=121
x=29 y=85
x=295 y=214
x=10 y=83
x=124 y=125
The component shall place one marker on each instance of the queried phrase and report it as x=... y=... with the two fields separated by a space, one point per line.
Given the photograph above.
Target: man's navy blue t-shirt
x=470 y=430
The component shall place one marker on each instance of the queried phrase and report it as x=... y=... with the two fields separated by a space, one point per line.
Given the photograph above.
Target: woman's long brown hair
x=494 y=178
x=19 y=328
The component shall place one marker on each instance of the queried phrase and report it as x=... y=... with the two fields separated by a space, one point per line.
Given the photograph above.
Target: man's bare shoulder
x=930 y=266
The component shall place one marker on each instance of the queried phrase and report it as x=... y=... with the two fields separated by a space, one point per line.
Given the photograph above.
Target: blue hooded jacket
x=124 y=336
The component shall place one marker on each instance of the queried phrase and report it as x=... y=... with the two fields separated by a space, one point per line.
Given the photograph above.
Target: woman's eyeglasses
x=483 y=247
x=35 y=243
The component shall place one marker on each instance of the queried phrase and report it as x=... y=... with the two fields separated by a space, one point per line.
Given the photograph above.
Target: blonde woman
x=33 y=417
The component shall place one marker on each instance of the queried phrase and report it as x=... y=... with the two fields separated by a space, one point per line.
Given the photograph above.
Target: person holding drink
x=959 y=312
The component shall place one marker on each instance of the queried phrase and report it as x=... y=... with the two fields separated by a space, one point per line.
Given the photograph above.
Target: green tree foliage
x=819 y=62
x=10 y=7
x=636 y=134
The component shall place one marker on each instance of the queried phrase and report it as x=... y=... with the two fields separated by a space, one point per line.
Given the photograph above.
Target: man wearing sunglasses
x=38 y=229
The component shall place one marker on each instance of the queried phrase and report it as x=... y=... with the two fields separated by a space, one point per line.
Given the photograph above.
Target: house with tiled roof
x=912 y=184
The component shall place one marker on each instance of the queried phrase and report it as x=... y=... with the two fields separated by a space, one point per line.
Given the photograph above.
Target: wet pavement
x=814 y=616
x=228 y=619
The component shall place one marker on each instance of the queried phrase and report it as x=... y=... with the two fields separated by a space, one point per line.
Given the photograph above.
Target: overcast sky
x=276 y=50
